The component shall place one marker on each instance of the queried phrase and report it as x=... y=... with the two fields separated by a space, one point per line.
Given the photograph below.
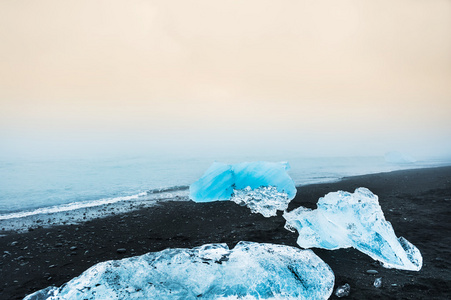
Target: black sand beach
x=416 y=202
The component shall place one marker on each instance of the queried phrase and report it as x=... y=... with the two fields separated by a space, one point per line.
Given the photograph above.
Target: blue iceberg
x=212 y=271
x=344 y=220
x=265 y=187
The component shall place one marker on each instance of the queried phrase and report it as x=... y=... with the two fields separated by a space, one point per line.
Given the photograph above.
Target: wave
x=153 y=194
x=69 y=206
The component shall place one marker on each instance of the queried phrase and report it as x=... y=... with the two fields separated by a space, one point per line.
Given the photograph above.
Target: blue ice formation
x=212 y=271
x=344 y=220
x=264 y=186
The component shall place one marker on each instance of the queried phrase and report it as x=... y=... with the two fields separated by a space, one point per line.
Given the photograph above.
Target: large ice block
x=356 y=220
x=212 y=271
x=217 y=183
x=264 y=186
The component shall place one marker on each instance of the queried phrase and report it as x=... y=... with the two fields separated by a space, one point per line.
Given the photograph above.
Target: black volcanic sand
x=416 y=202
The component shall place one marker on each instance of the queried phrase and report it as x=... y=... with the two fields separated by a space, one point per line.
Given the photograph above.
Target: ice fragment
x=212 y=271
x=343 y=291
x=265 y=187
x=377 y=282
x=356 y=220
x=264 y=200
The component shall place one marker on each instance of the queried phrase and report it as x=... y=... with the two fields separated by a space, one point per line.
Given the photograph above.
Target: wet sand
x=416 y=202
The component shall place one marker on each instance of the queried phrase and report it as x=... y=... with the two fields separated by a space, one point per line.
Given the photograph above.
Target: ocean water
x=35 y=186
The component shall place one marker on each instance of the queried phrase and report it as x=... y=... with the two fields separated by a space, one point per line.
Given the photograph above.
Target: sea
x=32 y=187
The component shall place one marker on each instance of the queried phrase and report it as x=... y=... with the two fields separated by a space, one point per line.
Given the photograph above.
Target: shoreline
x=416 y=201
x=79 y=212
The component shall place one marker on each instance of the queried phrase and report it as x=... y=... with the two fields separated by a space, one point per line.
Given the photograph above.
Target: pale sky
x=319 y=77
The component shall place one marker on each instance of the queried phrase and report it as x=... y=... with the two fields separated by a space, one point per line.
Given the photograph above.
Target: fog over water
x=304 y=77
x=90 y=88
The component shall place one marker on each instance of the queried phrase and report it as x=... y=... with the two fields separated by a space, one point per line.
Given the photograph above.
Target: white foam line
x=70 y=206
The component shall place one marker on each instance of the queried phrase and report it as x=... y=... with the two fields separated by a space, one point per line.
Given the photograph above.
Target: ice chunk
x=343 y=291
x=216 y=184
x=250 y=271
x=356 y=220
x=264 y=200
x=377 y=282
x=264 y=186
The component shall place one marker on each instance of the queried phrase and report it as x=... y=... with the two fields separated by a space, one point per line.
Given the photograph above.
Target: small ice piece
x=343 y=291
x=265 y=187
x=264 y=200
x=212 y=271
x=377 y=282
x=344 y=220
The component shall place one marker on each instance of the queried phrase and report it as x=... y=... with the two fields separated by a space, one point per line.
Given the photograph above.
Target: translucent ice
x=264 y=200
x=343 y=291
x=263 y=186
x=217 y=183
x=248 y=271
x=377 y=282
x=356 y=220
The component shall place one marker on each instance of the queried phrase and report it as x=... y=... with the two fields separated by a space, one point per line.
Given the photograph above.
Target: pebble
x=372 y=272
x=121 y=250
x=73 y=248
